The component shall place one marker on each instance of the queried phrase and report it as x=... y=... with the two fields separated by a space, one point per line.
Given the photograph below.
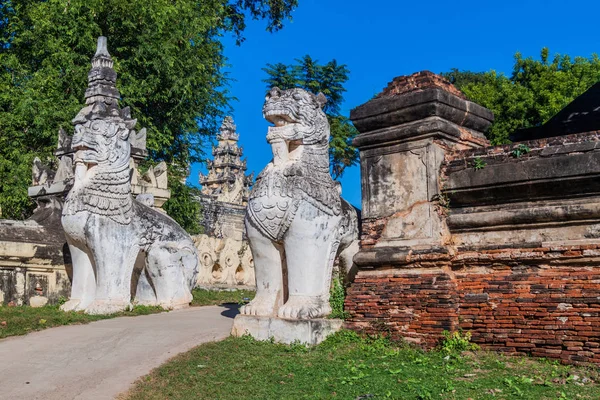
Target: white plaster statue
x=296 y=221
x=117 y=244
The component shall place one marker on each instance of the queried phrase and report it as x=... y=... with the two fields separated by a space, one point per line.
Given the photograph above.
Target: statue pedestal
x=306 y=331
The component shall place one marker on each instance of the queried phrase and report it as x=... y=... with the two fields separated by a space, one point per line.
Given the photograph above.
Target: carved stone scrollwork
x=224 y=263
x=245 y=272
x=207 y=252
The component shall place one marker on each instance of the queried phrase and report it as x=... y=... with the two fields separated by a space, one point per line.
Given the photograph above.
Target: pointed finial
x=228 y=130
x=102 y=58
x=102 y=48
x=102 y=78
x=101 y=94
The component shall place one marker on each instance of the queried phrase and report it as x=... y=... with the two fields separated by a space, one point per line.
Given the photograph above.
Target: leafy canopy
x=328 y=79
x=169 y=58
x=535 y=91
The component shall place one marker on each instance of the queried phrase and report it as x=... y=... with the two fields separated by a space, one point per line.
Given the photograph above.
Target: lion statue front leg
x=114 y=260
x=83 y=288
x=310 y=247
x=269 y=277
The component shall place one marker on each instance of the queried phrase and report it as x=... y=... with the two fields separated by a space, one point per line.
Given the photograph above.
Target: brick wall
x=419 y=81
x=539 y=301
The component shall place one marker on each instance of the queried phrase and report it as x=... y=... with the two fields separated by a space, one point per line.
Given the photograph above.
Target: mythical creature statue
x=118 y=245
x=296 y=221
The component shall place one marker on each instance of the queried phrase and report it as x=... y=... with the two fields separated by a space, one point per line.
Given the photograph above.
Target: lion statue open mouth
x=296 y=221
x=120 y=248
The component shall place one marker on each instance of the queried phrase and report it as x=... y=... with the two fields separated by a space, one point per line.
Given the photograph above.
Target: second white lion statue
x=296 y=221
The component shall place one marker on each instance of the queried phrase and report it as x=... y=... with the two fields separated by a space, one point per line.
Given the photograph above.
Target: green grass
x=203 y=297
x=349 y=367
x=24 y=319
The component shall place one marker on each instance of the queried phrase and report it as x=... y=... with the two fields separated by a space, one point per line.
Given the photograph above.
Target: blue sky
x=379 y=40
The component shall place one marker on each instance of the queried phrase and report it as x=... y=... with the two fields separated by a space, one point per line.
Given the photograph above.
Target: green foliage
x=341 y=338
x=457 y=342
x=15 y=177
x=273 y=11
x=168 y=56
x=350 y=366
x=183 y=207
x=461 y=78
x=535 y=91
x=341 y=152
x=444 y=201
x=328 y=79
x=336 y=299
x=520 y=150
x=478 y=163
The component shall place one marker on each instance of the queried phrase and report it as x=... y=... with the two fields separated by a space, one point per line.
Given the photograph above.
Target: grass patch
x=203 y=297
x=347 y=366
x=24 y=319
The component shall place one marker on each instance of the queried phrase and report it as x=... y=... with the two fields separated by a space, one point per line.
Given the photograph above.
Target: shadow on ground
x=232 y=309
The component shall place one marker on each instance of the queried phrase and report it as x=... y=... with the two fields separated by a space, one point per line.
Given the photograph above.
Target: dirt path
x=102 y=359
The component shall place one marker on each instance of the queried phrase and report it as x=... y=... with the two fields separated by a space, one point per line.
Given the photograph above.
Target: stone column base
x=308 y=331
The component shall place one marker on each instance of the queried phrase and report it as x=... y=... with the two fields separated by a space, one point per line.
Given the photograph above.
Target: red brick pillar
x=405 y=285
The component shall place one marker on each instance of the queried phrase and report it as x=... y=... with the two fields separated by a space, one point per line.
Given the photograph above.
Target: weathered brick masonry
x=541 y=301
x=509 y=251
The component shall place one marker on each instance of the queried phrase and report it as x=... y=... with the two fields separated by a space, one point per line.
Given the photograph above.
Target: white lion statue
x=296 y=221
x=119 y=247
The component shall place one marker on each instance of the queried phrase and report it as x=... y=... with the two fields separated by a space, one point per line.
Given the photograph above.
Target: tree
x=461 y=78
x=183 y=204
x=273 y=11
x=536 y=90
x=168 y=56
x=328 y=79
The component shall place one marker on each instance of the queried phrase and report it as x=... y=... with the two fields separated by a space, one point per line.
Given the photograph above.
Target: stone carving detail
x=296 y=221
x=152 y=185
x=40 y=173
x=56 y=179
x=117 y=243
x=52 y=181
x=224 y=262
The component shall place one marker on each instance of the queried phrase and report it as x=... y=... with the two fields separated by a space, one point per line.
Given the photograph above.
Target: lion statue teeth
x=118 y=245
x=296 y=221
